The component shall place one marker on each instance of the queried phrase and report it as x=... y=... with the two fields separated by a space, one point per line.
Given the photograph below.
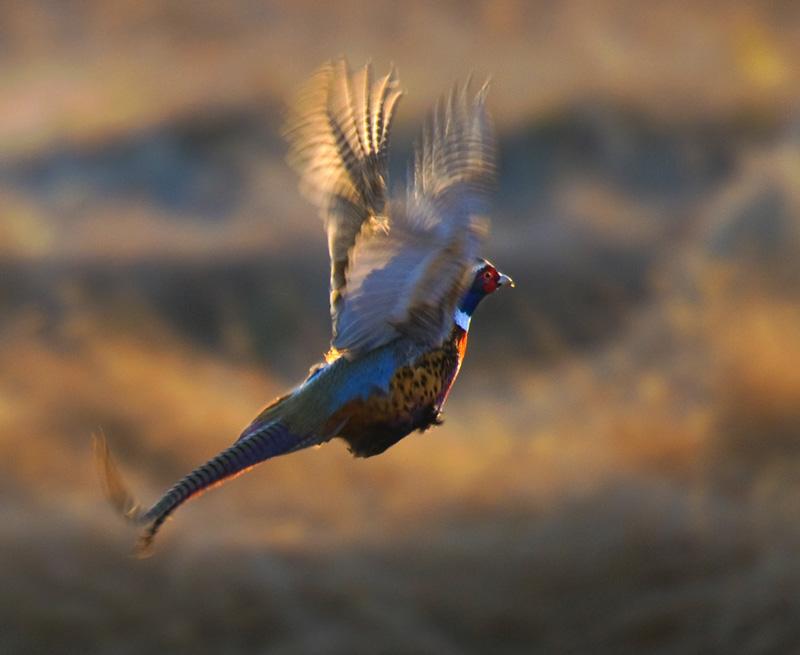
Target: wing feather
x=338 y=131
x=398 y=275
x=455 y=167
x=408 y=278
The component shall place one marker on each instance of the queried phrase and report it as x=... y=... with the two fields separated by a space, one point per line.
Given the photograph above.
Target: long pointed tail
x=256 y=445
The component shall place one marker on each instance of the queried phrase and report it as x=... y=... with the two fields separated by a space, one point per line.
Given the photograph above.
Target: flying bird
x=406 y=277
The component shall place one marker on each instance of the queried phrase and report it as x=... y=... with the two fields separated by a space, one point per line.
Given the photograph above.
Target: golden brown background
x=619 y=470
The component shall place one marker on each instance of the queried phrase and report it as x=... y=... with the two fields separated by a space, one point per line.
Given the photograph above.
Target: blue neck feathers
x=465 y=308
x=470 y=301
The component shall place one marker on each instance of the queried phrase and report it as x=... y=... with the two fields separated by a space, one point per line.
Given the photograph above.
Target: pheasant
x=405 y=279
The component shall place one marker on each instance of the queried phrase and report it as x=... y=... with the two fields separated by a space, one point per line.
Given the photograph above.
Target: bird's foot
x=433 y=419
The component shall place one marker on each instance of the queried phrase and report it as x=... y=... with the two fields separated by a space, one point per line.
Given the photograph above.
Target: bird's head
x=486 y=279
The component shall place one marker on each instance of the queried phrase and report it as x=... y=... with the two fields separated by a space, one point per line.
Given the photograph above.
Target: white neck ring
x=462 y=319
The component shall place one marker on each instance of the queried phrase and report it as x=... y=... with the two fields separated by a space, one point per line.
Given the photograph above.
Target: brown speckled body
x=415 y=398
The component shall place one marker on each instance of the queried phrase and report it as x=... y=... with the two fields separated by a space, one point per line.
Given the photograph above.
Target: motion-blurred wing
x=454 y=169
x=405 y=282
x=338 y=133
x=407 y=279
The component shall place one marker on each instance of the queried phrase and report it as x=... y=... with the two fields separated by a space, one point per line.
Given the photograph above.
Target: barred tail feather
x=270 y=441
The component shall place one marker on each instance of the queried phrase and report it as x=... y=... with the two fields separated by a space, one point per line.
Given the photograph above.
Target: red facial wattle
x=489 y=279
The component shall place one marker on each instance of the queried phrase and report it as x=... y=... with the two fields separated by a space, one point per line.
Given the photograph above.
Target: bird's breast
x=415 y=395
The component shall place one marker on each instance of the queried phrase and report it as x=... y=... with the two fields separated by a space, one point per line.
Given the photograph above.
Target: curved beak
x=505 y=281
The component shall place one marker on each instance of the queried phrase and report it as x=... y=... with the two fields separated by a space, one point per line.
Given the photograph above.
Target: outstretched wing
x=338 y=133
x=407 y=278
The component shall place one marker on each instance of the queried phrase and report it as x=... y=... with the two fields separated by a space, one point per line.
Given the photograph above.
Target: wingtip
x=484 y=90
x=468 y=81
x=393 y=75
x=393 y=82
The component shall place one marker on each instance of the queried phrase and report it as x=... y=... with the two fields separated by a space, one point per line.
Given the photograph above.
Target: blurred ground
x=618 y=470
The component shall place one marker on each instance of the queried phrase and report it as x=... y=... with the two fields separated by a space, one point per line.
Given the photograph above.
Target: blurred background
x=619 y=470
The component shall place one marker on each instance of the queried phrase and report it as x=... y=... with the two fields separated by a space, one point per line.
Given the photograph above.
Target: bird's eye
x=487 y=275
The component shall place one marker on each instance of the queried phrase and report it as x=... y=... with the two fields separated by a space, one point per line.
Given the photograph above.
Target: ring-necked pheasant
x=405 y=278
